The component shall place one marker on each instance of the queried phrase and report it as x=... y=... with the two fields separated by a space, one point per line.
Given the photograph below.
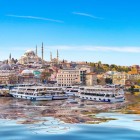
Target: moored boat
x=102 y=94
x=37 y=93
x=34 y=93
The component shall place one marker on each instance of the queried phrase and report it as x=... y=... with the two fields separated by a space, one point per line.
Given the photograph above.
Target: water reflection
x=26 y=120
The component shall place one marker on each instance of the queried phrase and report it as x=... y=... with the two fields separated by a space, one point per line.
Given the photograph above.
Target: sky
x=82 y=30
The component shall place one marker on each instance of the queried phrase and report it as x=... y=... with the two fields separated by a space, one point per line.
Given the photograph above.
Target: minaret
x=10 y=56
x=42 y=53
x=10 y=61
x=36 y=54
x=50 y=56
x=36 y=50
x=57 y=57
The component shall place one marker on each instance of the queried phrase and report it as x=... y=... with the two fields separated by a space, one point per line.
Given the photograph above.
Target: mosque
x=31 y=57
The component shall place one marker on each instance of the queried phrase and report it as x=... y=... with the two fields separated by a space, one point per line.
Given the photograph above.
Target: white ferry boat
x=32 y=93
x=102 y=94
x=37 y=93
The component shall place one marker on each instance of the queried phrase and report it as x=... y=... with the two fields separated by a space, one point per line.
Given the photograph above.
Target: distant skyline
x=82 y=30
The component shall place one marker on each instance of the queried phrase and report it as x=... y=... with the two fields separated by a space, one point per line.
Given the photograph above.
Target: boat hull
x=32 y=98
x=56 y=97
x=73 y=94
x=102 y=99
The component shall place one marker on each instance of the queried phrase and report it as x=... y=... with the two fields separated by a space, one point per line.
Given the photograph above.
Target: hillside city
x=32 y=69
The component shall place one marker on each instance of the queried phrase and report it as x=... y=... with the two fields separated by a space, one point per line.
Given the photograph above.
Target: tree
x=98 y=81
x=138 y=82
x=13 y=79
x=132 y=88
x=99 y=62
x=92 y=64
x=108 y=81
x=45 y=75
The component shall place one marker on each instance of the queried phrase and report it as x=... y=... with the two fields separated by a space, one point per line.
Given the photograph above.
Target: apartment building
x=80 y=75
x=68 y=77
x=120 y=78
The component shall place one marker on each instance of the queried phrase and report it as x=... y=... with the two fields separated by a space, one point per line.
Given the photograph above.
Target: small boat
x=72 y=101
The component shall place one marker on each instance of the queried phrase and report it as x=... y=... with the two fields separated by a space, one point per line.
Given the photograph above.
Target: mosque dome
x=23 y=56
x=27 y=72
x=5 y=67
x=29 y=51
x=14 y=66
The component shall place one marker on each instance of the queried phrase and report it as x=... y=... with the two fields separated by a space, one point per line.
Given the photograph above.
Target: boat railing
x=19 y=91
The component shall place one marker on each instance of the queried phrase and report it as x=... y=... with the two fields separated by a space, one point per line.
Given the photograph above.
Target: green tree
x=99 y=62
x=98 y=81
x=45 y=75
x=138 y=82
x=13 y=79
x=132 y=88
x=108 y=81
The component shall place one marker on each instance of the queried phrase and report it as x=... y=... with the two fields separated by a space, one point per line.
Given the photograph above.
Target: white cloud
x=37 y=18
x=129 y=49
x=65 y=48
x=20 y=48
x=114 y=49
x=87 y=15
x=96 y=48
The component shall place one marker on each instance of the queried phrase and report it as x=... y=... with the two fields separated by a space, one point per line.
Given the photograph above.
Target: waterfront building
x=134 y=77
x=135 y=69
x=120 y=78
x=91 y=79
x=29 y=76
x=75 y=76
x=8 y=75
x=68 y=77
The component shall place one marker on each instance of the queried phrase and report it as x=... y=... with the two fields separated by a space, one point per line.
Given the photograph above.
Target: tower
x=42 y=52
x=10 y=59
x=36 y=50
x=10 y=56
x=50 y=56
x=57 y=56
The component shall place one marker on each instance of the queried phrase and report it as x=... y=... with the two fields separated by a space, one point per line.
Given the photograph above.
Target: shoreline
x=69 y=113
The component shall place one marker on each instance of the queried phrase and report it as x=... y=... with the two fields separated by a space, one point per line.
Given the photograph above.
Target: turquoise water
x=126 y=127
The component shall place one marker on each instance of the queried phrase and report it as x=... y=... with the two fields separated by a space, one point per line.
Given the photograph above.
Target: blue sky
x=84 y=30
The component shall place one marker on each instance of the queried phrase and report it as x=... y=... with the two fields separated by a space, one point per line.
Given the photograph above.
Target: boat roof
x=100 y=88
x=39 y=87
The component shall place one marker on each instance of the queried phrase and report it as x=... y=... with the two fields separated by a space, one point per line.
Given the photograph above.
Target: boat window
x=102 y=94
x=112 y=95
x=107 y=95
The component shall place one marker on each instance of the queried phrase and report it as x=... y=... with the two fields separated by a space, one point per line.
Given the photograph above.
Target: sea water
x=125 y=127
